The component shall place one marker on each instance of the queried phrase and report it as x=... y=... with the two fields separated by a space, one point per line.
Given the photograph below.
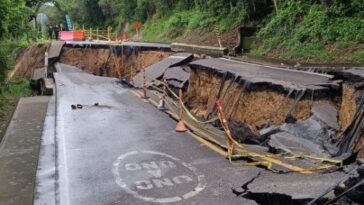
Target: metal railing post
x=144 y=84
x=97 y=33
x=45 y=64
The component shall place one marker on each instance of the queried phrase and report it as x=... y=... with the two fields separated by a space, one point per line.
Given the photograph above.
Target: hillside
x=297 y=31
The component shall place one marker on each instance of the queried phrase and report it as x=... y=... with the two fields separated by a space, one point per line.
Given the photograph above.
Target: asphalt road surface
x=113 y=148
x=124 y=151
x=253 y=73
x=155 y=46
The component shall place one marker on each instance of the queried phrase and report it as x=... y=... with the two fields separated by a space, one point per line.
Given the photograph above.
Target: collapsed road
x=124 y=151
x=291 y=134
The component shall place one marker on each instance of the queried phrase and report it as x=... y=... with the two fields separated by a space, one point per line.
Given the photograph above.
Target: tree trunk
x=275 y=5
x=231 y=7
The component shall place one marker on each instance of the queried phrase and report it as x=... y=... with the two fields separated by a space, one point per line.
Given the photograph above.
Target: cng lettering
x=157 y=177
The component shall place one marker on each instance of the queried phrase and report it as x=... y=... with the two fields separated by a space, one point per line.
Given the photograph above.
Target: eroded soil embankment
x=264 y=106
x=256 y=108
x=350 y=102
x=348 y=105
x=98 y=61
x=104 y=62
x=27 y=60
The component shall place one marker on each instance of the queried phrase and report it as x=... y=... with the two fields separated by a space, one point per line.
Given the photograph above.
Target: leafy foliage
x=305 y=29
x=13 y=18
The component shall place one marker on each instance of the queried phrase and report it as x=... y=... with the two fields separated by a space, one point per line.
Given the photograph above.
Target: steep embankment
x=254 y=107
x=104 y=62
x=253 y=100
x=299 y=31
x=27 y=60
x=98 y=61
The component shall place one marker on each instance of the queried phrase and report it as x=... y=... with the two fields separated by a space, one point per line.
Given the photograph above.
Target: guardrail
x=102 y=35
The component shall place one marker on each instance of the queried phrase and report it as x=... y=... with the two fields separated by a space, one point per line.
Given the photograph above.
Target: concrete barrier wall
x=206 y=50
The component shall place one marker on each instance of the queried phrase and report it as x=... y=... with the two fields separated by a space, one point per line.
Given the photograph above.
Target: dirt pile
x=27 y=60
x=104 y=62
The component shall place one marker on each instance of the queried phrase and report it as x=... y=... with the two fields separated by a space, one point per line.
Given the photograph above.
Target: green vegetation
x=13 y=90
x=10 y=90
x=15 y=34
x=313 y=30
x=306 y=30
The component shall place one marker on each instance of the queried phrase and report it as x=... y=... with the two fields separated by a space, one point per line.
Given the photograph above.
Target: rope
x=189 y=112
x=267 y=159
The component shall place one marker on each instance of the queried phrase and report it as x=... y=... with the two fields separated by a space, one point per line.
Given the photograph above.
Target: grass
x=299 y=32
x=10 y=91
x=308 y=32
x=13 y=90
x=358 y=56
x=336 y=52
x=171 y=27
x=168 y=28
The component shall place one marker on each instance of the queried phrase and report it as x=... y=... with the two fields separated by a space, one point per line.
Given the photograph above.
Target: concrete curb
x=207 y=50
x=45 y=187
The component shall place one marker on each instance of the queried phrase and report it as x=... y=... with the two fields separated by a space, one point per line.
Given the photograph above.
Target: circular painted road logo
x=157 y=177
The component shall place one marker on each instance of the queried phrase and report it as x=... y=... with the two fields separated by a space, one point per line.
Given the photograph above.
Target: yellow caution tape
x=268 y=159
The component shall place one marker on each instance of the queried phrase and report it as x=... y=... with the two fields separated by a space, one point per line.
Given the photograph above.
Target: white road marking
x=155 y=169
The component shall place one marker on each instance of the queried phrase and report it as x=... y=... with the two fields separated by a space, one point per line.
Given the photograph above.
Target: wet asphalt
x=124 y=151
x=114 y=148
x=259 y=74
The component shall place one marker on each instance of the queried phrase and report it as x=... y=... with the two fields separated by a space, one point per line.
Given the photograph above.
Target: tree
x=13 y=18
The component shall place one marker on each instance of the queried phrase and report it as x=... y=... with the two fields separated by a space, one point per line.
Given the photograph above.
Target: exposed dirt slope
x=255 y=108
x=29 y=59
x=348 y=105
x=104 y=62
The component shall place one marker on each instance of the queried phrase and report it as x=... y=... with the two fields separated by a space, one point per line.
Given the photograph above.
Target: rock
x=327 y=114
x=269 y=130
x=360 y=170
x=360 y=161
x=311 y=129
x=243 y=133
x=290 y=143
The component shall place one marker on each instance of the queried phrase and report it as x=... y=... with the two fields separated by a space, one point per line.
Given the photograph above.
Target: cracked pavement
x=125 y=151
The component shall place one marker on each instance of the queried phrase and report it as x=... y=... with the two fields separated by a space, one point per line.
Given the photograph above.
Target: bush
x=178 y=20
x=4 y=64
x=8 y=51
x=302 y=29
x=358 y=57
